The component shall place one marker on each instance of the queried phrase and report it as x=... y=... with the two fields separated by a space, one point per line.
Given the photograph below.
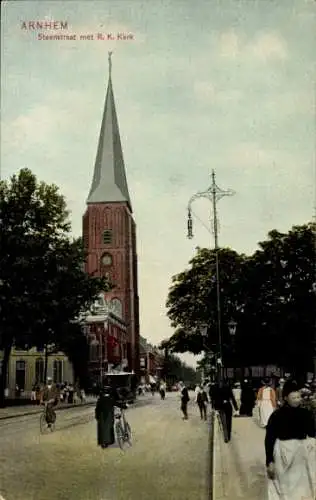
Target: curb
x=7 y=417
x=211 y=469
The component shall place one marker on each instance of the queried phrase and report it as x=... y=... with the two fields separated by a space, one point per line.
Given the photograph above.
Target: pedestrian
x=290 y=449
x=33 y=394
x=162 y=390
x=184 y=396
x=247 y=399
x=279 y=391
x=104 y=414
x=237 y=396
x=17 y=391
x=201 y=399
x=82 y=396
x=223 y=401
x=266 y=401
x=50 y=397
x=71 y=391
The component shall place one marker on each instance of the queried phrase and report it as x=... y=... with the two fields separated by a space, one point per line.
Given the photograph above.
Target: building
x=151 y=361
x=109 y=230
x=107 y=338
x=27 y=367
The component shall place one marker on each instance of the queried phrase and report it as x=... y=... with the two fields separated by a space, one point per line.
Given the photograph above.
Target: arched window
x=20 y=374
x=58 y=371
x=39 y=370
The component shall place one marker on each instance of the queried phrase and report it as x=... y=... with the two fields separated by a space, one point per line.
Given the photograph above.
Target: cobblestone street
x=168 y=459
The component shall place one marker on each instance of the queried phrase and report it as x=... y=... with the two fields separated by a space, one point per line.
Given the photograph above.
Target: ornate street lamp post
x=214 y=194
x=204 y=332
x=232 y=326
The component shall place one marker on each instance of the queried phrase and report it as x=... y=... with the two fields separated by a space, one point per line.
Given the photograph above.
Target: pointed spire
x=109 y=182
x=110 y=64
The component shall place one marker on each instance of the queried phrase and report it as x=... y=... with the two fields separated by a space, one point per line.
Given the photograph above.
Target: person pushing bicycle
x=49 y=397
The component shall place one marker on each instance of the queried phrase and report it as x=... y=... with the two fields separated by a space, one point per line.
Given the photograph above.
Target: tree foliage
x=175 y=370
x=269 y=294
x=43 y=286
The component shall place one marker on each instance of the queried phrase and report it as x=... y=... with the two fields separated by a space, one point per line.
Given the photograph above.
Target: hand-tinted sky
x=220 y=84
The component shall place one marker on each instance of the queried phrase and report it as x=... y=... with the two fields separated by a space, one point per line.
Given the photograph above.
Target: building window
x=39 y=370
x=20 y=374
x=106 y=259
x=107 y=236
x=58 y=371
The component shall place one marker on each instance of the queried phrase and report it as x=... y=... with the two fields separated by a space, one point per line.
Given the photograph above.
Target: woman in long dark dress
x=290 y=453
x=104 y=414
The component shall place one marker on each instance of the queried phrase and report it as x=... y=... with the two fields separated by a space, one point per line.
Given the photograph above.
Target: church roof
x=109 y=183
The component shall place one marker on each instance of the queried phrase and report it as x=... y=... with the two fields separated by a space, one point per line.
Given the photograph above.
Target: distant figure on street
x=162 y=389
x=247 y=399
x=266 y=401
x=50 y=397
x=33 y=394
x=104 y=414
x=82 y=396
x=17 y=391
x=201 y=399
x=279 y=391
x=71 y=392
x=290 y=451
x=223 y=401
x=237 y=396
x=184 y=396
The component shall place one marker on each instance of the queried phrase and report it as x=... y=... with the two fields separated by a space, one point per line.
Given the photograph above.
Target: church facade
x=109 y=233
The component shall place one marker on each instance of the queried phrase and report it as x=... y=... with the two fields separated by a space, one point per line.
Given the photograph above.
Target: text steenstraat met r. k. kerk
x=60 y=31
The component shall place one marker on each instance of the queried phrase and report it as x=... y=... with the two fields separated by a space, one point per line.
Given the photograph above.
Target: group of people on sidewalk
x=67 y=393
x=288 y=415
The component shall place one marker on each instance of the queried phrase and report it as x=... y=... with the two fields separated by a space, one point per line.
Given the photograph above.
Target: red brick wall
x=123 y=272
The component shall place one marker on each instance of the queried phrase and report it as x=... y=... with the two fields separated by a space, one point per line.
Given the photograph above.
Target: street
x=168 y=459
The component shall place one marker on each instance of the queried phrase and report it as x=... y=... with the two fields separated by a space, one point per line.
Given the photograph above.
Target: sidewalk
x=21 y=411
x=239 y=466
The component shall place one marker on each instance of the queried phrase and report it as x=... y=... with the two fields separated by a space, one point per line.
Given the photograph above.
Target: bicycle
x=44 y=425
x=122 y=428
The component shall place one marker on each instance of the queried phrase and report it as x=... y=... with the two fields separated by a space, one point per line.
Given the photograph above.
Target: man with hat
x=50 y=397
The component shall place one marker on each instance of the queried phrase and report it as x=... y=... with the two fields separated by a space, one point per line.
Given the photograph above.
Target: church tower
x=109 y=230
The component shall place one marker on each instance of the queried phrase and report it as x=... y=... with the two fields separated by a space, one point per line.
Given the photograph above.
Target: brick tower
x=109 y=230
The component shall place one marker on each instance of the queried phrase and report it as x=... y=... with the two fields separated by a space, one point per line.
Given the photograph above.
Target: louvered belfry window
x=107 y=236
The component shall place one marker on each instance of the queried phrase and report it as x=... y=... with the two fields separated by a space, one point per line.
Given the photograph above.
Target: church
x=109 y=235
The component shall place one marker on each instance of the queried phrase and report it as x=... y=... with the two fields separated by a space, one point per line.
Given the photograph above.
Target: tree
x=192 y=300
x=175 y=370
x=269 y=294
x=286 y=261
x=43 y=286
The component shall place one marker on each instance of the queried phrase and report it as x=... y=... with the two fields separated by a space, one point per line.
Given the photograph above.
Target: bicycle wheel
x=119 y=435
x=128 y=434
x=43 y=423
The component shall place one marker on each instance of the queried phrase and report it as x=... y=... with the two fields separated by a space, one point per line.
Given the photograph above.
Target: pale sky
x=220 y=84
